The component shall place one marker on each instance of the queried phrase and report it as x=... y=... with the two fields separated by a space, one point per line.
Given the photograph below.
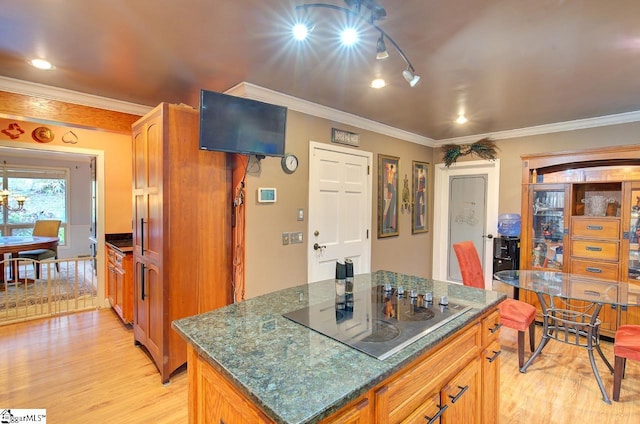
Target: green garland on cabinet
x=484 y=148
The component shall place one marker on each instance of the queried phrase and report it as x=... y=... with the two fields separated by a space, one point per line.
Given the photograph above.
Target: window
x=46 y=192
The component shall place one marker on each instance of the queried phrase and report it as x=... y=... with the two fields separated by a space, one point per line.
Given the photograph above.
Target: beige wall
x=270 y=265
x=117 y=158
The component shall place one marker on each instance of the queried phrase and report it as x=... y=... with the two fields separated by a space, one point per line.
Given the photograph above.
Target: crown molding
x=68 y=96
x=256 y=92
x=252 y=91
x=578 y=124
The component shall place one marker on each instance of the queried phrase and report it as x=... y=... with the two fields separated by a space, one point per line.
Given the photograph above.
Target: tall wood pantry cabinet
x=581 y=215
x=181 y=230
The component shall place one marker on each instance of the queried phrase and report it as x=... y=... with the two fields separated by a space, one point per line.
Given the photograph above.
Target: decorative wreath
x=485 y=148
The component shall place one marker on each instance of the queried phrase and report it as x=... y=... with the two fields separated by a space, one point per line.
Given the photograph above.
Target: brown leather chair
x=43 y=228
x=513 y=313
x=625 y=346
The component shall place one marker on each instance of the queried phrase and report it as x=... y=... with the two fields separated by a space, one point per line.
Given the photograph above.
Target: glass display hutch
x=581 y=215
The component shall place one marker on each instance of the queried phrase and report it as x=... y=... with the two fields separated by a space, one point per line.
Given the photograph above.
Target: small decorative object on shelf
x=43 y=135
x=597 y=205
x=484 y=148
x=13 y=131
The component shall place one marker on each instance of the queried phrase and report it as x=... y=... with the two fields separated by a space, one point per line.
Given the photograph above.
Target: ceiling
x=507 y=64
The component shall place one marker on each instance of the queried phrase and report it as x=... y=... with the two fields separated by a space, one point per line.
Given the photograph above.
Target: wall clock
x=289 y=163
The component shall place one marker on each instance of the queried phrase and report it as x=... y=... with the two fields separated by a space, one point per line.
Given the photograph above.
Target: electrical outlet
x=296 y=238
x=285 y=239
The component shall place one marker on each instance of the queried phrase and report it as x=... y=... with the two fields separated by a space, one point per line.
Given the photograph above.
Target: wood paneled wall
x=41 y=109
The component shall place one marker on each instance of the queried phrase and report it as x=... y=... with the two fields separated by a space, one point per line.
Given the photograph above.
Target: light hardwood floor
x=84 y=368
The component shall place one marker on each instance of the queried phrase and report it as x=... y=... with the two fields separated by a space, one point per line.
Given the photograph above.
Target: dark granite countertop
x=295 y=374
x=120 y=241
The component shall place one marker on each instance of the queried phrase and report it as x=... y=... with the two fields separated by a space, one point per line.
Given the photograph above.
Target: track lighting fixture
x=376 y=13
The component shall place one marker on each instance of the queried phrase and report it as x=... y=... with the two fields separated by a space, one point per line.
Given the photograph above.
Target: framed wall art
x=420 y=173
x=388 y=195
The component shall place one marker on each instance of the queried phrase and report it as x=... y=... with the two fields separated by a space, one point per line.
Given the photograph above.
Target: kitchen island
x=248 y=363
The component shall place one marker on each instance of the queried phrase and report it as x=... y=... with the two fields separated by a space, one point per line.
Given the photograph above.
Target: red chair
x=625 y=346
x=513 y=313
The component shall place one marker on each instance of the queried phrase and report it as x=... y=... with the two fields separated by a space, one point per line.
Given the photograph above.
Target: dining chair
x=43 y=228
x=513 y=313
x=625 y=346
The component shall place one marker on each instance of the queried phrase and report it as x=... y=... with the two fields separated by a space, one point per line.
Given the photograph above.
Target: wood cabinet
x=181 y=230
x=456 y=382
x=580 y=215
x=120 y=283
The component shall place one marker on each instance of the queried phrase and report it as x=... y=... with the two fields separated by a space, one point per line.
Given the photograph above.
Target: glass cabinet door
x=634 y=234
x=548 y=227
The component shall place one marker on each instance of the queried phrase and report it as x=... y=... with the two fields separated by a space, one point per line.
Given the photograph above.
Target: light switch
x=300 y=214
x=285 y=239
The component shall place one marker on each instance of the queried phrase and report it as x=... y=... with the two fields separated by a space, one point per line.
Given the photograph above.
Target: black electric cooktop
x=379 y=322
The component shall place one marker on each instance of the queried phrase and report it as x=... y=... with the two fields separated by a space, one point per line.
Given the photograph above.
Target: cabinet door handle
x=594 y=270
x=142 y=281
x=494 y=357
x=435 y=417
x=594 y=249
x=455 y=398
x=362 y=404
x=595 y=227
x=495 y=328
x=142 y=236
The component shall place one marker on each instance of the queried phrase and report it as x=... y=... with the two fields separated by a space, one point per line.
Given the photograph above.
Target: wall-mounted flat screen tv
x=239 y=125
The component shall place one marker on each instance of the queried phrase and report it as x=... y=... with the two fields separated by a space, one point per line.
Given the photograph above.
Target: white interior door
x=339 y=210
x=466 y=208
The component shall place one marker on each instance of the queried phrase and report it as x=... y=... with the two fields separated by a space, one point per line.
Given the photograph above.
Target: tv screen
x=238 y=125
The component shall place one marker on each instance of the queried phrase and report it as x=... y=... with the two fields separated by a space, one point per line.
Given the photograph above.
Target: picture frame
x=388 y=199
x=419 y=197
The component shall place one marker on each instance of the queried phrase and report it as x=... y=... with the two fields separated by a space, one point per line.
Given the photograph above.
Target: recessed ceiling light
x=461 y=119
x=41 y=64
x=378 y=83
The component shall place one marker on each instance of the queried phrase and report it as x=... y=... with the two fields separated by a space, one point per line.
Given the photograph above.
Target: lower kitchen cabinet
x=213 y=400
x=120 y=283
x=491 y=383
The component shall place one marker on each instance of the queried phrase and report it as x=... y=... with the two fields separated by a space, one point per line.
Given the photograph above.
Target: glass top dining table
x=567 y=324
x=573 y=286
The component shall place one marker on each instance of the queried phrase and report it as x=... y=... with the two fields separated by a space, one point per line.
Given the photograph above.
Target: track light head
x=300 y=31
x=381 y=48
x=411 y=77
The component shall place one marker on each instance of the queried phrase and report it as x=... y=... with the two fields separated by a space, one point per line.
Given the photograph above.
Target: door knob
x=316 y=246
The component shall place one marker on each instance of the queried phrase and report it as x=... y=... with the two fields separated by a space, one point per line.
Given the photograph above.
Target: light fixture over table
x=4 y=201
x=375 y=13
